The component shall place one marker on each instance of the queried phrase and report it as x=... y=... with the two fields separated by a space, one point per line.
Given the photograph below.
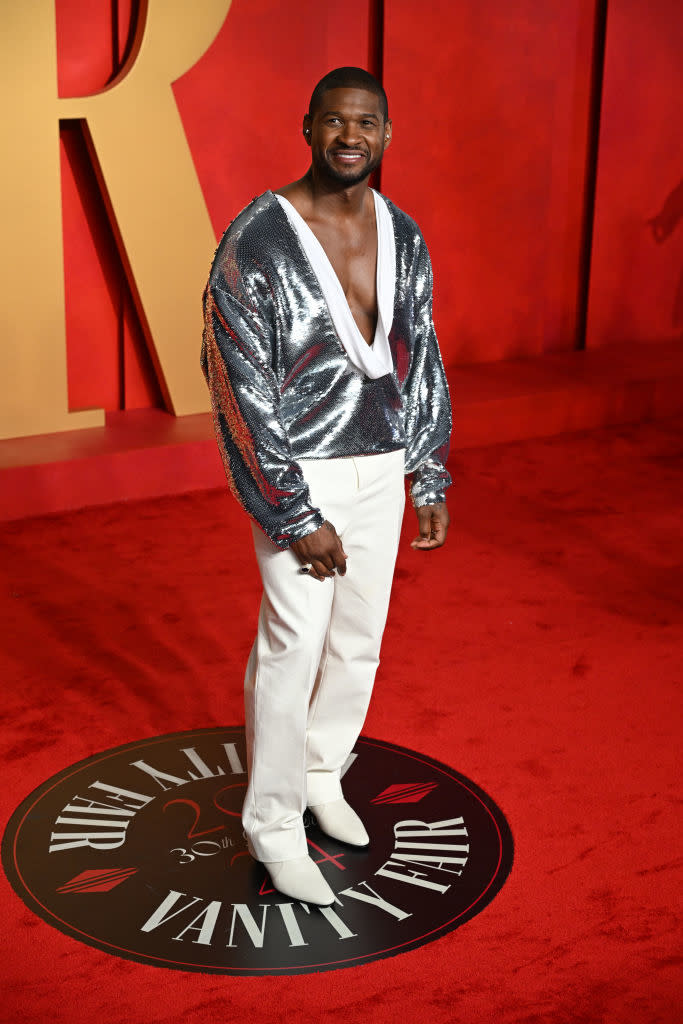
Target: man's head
x=347 y=125
x=349 y=78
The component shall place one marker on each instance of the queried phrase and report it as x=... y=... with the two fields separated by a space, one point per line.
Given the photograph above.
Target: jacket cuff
x=308 y=522
x=429 y=483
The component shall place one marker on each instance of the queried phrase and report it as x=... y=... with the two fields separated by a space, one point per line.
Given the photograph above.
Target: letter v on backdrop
x=151 y=190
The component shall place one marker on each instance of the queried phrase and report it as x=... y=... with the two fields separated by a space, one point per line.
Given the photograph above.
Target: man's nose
x=350 y=133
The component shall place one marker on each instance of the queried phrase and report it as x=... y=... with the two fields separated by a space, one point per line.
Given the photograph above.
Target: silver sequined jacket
x=283 y=388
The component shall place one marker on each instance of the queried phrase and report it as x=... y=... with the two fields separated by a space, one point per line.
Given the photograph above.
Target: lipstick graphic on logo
x=97 y=880
x=402 y=793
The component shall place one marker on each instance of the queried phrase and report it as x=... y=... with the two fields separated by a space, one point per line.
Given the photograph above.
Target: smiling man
x=327 y=388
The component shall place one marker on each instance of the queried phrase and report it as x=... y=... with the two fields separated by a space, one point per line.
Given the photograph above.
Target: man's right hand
x=323 y=551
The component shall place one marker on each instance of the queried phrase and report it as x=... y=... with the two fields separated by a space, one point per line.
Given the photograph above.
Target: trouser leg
x=277 y=687
x=293 y=623
x=325 y=635
x=347 y=670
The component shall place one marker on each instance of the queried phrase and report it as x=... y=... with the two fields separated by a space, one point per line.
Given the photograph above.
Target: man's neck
x=327 y=199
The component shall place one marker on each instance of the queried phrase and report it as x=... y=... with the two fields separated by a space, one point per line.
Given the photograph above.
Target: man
x=327 y=386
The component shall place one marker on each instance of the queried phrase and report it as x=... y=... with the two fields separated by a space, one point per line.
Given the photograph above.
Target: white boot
x=341 y=822
x=301 y=879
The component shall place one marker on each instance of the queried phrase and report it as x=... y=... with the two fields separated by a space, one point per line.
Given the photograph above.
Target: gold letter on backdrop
x=151 y=188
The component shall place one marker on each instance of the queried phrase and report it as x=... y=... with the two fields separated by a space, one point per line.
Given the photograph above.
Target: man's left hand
x=433 y=521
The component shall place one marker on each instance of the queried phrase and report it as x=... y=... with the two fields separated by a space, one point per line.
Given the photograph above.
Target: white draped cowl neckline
x=373 y=360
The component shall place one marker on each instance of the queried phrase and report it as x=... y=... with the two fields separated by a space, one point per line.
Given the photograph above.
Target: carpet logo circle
x=139 y=851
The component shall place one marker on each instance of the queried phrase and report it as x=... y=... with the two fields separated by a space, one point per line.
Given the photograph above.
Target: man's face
x=347 y=135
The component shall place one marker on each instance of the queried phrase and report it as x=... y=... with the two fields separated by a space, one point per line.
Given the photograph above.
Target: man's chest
x=353 y=257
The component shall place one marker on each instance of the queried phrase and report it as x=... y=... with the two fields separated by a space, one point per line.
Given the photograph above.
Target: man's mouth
x=348 y=156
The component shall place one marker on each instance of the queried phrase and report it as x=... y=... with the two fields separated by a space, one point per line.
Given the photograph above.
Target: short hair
x=349 y=78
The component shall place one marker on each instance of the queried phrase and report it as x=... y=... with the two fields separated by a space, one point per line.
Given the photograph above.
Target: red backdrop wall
x=491 y=110
x=490 y=103
x=637 y=268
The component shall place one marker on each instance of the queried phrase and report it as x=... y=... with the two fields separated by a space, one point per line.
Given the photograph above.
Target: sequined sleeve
x=426 y=399
x=260 y=467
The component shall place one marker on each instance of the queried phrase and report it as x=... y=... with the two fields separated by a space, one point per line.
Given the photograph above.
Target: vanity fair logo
x=139 y=851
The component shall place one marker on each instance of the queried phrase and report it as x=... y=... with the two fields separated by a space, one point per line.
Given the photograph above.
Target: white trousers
x=311 y=670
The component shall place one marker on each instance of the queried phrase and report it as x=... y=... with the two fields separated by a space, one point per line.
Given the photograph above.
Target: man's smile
x=348 y=156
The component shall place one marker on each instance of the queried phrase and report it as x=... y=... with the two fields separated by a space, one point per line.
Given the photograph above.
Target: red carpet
x=539 y=655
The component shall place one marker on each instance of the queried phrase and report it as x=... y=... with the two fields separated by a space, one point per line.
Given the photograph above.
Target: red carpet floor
x=539 y=654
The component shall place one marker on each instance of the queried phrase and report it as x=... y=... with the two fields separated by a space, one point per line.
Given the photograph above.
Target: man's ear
x=306 y=128
x=388 y=133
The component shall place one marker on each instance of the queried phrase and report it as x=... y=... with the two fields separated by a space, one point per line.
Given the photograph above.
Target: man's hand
x=433 y=522
x=323 y=551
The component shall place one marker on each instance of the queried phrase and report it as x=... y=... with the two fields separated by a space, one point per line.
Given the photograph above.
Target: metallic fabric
x=283 y=388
